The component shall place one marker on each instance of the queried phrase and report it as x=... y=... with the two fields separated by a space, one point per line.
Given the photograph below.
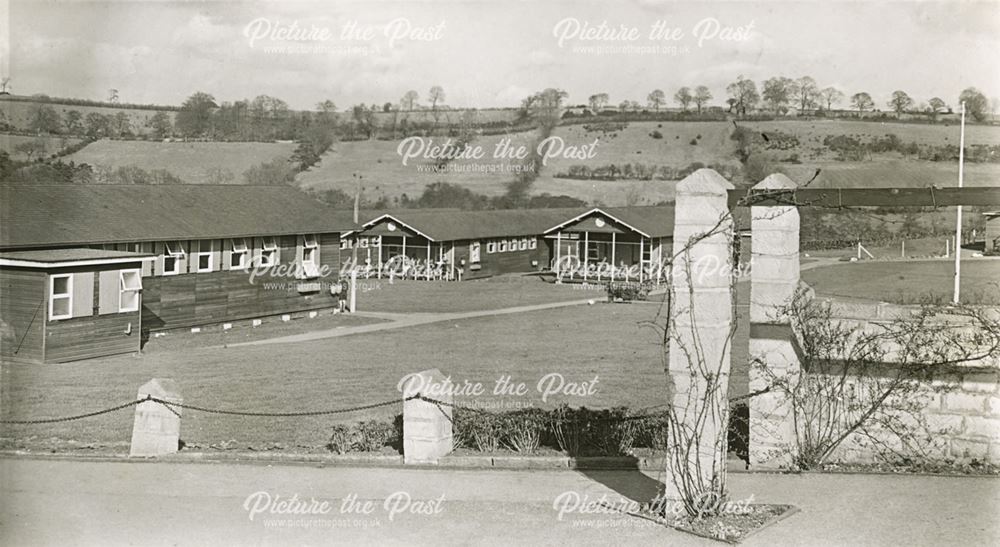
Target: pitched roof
x=455 y=224
x=39 y=215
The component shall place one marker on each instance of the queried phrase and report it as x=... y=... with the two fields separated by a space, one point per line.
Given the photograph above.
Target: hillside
x=193 y=162
x=18 y=113
x=52 y=144
x=681 y=145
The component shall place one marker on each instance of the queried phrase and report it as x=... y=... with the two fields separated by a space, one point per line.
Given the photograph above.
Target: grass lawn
x=506 y=291
x=909 y=282
x=272 y=327
x=579 y=343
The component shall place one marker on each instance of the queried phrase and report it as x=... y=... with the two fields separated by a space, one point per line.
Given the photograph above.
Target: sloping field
x=9 y=143
x=19 y=113
x=193 y=162
x=384 y=174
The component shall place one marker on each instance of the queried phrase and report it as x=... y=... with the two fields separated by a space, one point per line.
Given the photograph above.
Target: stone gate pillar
x=774 y=279
x=701 y=325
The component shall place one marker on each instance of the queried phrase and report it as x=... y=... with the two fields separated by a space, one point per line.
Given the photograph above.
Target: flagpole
x=958 y=221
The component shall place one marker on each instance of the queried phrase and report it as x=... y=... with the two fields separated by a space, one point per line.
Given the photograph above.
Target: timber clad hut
x=71 y=251
x=61 y=305
x=476 y=244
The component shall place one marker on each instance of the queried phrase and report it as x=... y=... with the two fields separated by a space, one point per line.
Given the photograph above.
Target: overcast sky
x=492 y=53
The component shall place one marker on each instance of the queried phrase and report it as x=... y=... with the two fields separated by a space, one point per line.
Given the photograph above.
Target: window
x=269 y=252
x=129 y=284
x=473 y=252
x=310 y=256
x=310 y=249
x=203 y=261
x=61 y=296
x=491 y=247
x=503 y=246
x=523 y=244
x=363 y=243
x=346 y=243
x=238 y=254
x=172 y=255
x=532 y=243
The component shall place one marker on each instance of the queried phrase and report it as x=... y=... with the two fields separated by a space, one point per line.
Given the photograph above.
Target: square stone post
x=774 y=279
x=427 y=427
x=157 y=428
x=701 y=319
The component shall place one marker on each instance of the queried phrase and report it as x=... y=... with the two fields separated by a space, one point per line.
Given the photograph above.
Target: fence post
x=427 y=427
x=157 y=428
x=774 y=279
x=702 y=320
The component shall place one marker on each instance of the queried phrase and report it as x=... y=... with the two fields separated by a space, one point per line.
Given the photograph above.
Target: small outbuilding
x=60 y=305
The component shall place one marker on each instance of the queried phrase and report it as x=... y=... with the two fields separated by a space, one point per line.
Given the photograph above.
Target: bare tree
x=831 y=96
x=862 y=101
x=683 y=97
x=598 y=101
x=656 y=99
x=409 y=99
x=701 y=97
x=435 y=96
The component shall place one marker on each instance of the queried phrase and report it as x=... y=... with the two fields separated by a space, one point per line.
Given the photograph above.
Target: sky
x=490 y=54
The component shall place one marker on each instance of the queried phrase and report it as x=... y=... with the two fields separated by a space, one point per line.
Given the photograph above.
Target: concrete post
x=427 y=427
x=702 y=319
x=157 y=428
x=774 y=278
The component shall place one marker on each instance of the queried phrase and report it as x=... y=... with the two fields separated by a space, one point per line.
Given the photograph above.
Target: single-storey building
x=992 y=232
x=205 y=254
x=576 y=243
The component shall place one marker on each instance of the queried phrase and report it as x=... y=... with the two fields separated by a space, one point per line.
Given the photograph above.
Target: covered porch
x=597 y=247
x=388 y=248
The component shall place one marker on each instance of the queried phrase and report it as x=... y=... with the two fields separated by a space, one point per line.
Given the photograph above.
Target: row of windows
x=510 y=245
x=363 y=242
x=235 y=254
x=118 y=292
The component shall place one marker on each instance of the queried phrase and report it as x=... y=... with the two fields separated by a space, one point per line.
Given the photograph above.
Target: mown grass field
x=443 y=296
x=385 y=175
x=910 y=282
x=193 y=162
x=578 y=343
x=9 y=143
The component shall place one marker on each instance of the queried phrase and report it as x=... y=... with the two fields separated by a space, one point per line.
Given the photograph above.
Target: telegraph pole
x=958 y=221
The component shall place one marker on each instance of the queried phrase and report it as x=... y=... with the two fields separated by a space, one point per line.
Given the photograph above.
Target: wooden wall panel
x=23 y=310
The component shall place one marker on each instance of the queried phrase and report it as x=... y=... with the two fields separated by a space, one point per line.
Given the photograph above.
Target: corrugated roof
x=66 y=214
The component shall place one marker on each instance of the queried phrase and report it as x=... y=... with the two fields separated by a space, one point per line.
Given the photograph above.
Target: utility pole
x=958 y=221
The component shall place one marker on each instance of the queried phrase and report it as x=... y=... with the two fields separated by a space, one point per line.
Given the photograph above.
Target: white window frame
x=532 y=243
x=124 y=288
x=177 y=255
x=68 y=296
x=363 y=243
x=196 y=256
x=502 y=246
x=523 y=244
x=238 y=247
x=491 y=247
x=346 y=243
x=270 y=251
x=310 y=245
x=475 y=252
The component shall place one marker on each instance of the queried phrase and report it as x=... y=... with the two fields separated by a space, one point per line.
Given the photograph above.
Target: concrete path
x=53 y=502
x=403 y=320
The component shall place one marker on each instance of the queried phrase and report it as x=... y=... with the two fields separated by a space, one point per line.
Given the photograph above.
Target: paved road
x=49 y=502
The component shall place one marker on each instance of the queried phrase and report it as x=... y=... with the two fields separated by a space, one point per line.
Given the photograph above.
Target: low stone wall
x=954 y=414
